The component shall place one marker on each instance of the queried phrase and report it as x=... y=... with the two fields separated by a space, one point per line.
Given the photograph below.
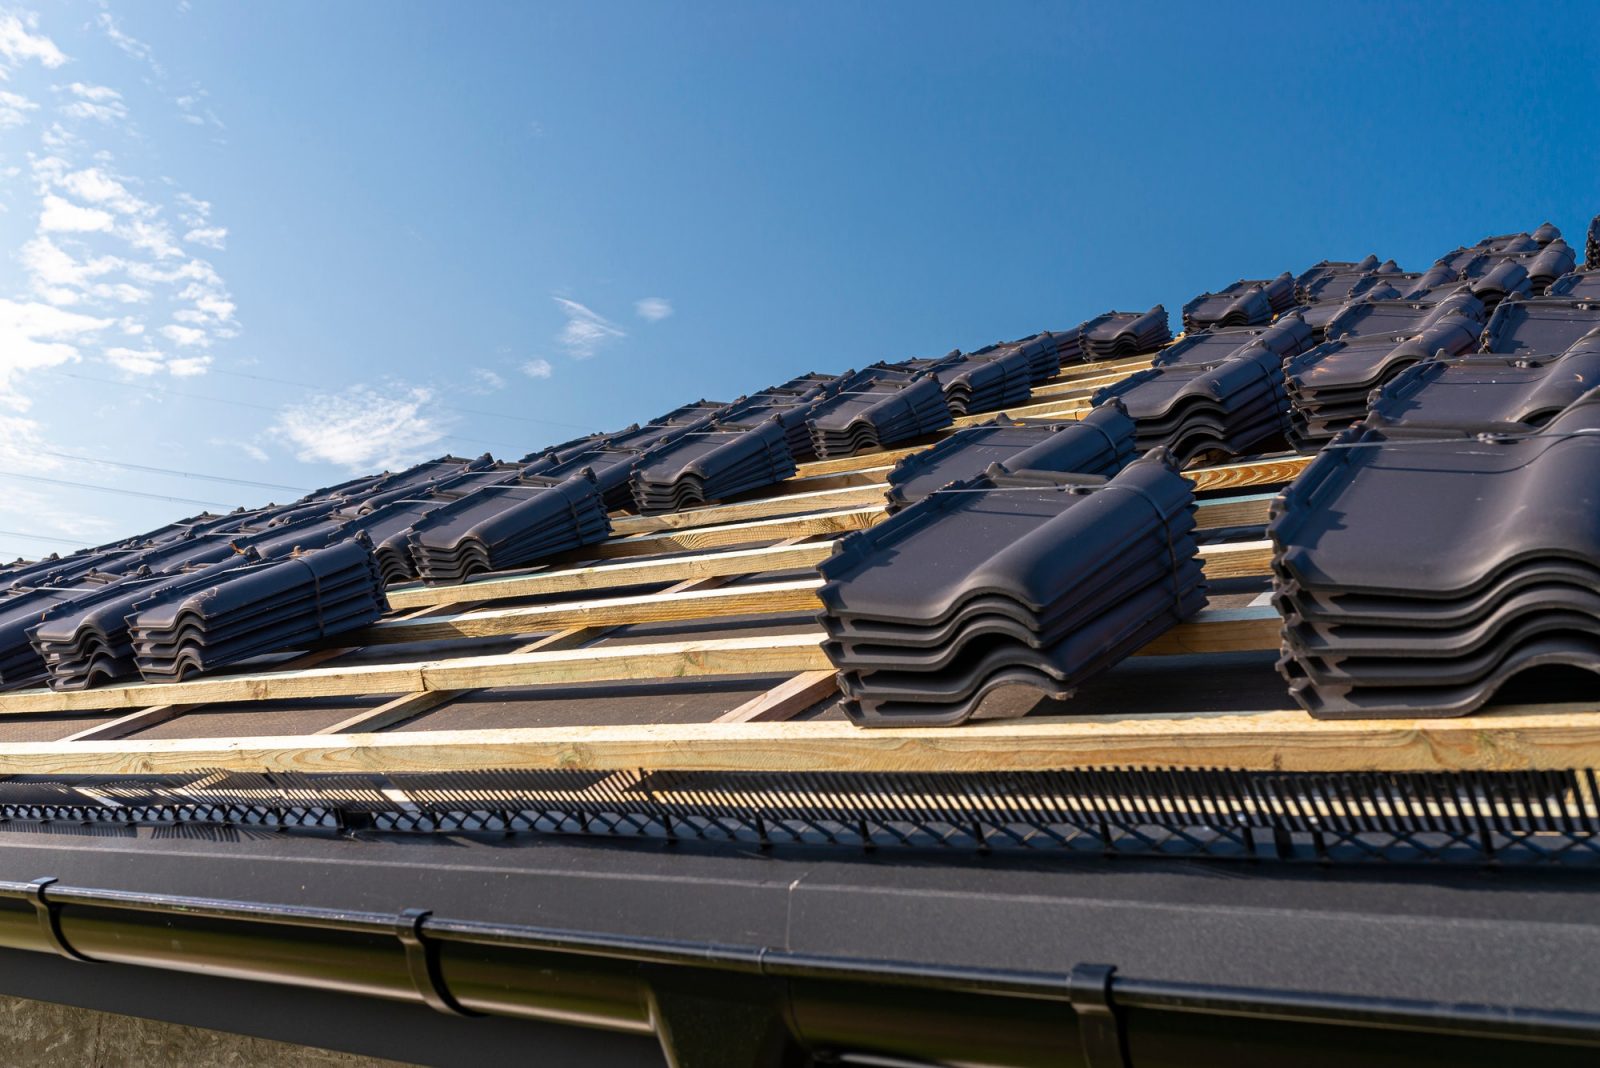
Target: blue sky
x=283 y=242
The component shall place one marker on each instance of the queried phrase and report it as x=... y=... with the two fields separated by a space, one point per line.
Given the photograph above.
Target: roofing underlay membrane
x=1446 y=536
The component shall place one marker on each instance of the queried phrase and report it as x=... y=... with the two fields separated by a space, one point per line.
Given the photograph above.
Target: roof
x=679 y=631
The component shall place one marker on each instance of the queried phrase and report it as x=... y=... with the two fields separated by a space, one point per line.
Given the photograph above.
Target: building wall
x=45 y=1035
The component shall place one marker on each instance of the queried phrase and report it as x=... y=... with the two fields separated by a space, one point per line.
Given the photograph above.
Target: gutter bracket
x=422 y=961
x=49 y=913
x=1100 y=1024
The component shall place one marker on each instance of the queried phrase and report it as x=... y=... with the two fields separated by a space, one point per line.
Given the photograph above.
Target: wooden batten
x=774 y=655
x=615 y=575
x=1523 y=738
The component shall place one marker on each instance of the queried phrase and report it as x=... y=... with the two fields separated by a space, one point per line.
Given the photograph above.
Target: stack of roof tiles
x=283 y=604
x=387 y=511
x=238 y=608
x=1019 y=577
x=1487 y=393
x=1371 y=341
x=712 y=464
x=1419 y=567
x=1244 y=303
x=1287 y=336
x=1578 y=285
x=878 y=406
x=503 y=527
x=1044 y=353
x=986 y=380
x=609 y=459
x=1322 y=290
x=790 y=403
x=1115 y=334
x=27 y=608
x=1101 y=443
x=1542 y=324
x=1218 y=392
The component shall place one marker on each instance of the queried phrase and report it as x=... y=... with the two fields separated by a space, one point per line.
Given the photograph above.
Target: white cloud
x=33 y=336
x=361 y=428
x=249 y=448
x=538 y=368
x=99 y=94
x=184 y=335
x=487 y=381
x=586 y=330
x=209 y=236
x=131 y=45
x=136 y=361
x=150 y=362
x=194 y=211
x=188 y=366
x=61 y=278
x=14 y=109
x=98 y=102
x=18 y=42
x=152 y=236
x=194 y=112
x=104 y=275
x=653 y=309
x=64 y=215
x=98 y=187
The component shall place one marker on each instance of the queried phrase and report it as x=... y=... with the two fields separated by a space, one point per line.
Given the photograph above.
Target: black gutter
x=820 y=1004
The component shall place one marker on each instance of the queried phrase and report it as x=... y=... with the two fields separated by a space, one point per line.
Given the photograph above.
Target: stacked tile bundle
x=876 y=407
x=1244 y=303
x=1066 y=346
x=791 y=403
x=1496 y=276
x=1427 y=610
x=1101 y=443
x=91 y=642
x=1372 y=342
x=1335 y=281
x=510 y=526
x=25 y=609
x=1231 y=407
x=608 y=460
x=389 y=510
x=250 y=611
x=1288 y=335
x=984 y=381
x=1030 y=578
x=712 y=464
x=1542 y=324
x=87 y=639
x=1115 y=334
x=1044 y=353
x=1578 y=285
x=1486 y=393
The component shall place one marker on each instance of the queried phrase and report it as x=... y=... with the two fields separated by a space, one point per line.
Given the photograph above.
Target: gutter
x=710 y=1003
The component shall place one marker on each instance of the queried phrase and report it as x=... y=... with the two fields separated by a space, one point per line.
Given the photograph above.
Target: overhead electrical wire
x=44 y=537
x=250 y=404
x=173 y=471
x=113 y=489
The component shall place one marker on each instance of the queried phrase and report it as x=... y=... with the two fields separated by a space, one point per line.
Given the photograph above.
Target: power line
x=42 y=537
x=112 y=489
x=173 y=471
x=248 y=404
x=446 y=407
